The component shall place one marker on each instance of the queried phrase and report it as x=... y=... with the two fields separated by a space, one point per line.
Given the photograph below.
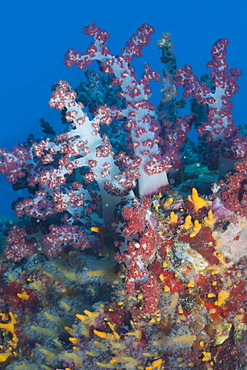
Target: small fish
x=100 y=230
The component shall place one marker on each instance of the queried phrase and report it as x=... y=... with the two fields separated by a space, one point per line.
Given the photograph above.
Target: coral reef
x=124 y=256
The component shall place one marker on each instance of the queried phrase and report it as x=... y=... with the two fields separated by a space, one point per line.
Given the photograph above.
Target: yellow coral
x=207 y=356
x=197 y=227
x=209 y=220
x=187 y=223
x=222 y=296
x=168 y=202
x=197 y=201
x=173 y=218
x=12 y=344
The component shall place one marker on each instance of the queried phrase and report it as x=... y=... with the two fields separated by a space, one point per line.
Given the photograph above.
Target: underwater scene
x=128 y=249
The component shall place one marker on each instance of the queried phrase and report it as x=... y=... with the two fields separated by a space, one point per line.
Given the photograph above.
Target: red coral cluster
x=234 y=189
x=142 y=242
x=19 y=245
x=223 y=140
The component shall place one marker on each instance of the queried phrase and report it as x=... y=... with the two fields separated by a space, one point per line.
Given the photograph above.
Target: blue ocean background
x=36 y=35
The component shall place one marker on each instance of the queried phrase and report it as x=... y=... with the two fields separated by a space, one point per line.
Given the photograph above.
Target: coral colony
x=130 y=250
